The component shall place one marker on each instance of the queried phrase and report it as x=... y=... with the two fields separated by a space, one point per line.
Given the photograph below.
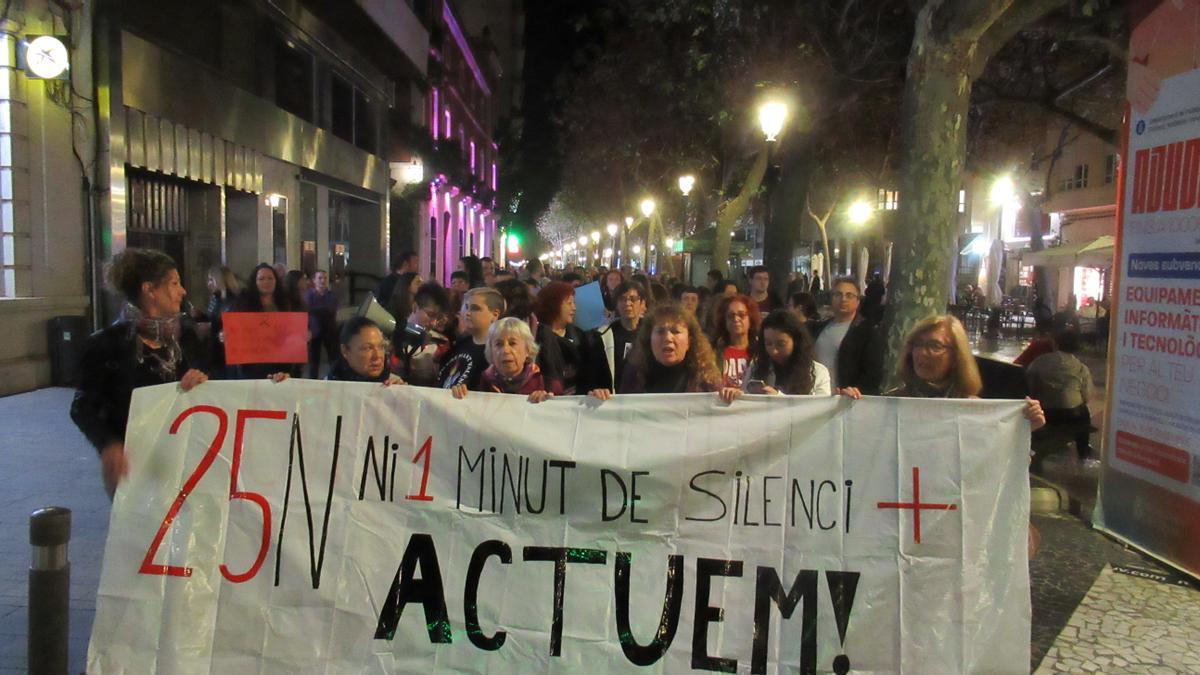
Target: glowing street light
x=860 y=211
x=686 y=183
x=583 y=240
x=628 y=221
x=637 y=249
x=611 y=229
x=608 y=253
x=671 y=243
x=1004 y=191
x=771 y=116
x=595 y=237
x=647 y=207
x=981 y=245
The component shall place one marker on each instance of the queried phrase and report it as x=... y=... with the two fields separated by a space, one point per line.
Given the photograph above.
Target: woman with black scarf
x=147 y=345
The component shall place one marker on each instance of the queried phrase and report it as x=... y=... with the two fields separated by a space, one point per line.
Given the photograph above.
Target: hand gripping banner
x=335 y=527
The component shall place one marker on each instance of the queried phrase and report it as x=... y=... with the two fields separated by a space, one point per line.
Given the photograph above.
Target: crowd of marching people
x=499 y=330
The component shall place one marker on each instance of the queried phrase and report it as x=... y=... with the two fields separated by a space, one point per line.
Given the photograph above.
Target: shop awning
x=1095 y=253
x=1099 y=253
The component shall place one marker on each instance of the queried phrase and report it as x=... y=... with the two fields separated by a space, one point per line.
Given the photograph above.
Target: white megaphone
x=371 y=309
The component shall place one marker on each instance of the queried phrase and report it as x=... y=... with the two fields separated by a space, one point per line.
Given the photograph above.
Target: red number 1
x=426 y=450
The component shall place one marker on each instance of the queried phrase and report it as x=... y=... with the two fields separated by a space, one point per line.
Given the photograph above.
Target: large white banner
x=335 y=527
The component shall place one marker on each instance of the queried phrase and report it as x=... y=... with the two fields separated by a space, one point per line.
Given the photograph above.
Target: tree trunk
x=729 y=212
x=826 y=261
x=934 y=121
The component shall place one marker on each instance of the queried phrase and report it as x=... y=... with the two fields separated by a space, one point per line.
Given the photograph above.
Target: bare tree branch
x=1006 y=25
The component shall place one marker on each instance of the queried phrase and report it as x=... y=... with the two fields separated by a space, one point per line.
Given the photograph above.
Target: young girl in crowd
x=783 y=360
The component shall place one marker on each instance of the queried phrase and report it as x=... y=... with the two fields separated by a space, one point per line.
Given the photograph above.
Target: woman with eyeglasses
x=936 y=362
x=735 y=332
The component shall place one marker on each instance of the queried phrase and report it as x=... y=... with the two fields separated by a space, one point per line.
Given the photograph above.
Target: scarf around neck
x=164 y=331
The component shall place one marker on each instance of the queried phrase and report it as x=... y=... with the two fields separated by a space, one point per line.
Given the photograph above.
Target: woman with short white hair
x=512 y=352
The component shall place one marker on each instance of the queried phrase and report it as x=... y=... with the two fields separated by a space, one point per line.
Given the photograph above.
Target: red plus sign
x=916 y=505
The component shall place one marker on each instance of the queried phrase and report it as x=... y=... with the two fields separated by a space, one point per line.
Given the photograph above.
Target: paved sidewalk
x=45 y=461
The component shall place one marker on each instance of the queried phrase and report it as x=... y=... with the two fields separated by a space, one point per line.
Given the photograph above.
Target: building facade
x=230 y=132
x=459 y=213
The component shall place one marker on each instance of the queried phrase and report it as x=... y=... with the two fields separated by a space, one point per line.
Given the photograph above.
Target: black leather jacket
x=110 y=373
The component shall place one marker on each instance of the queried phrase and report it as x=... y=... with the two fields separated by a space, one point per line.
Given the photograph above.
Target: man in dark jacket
x=849 y=345
x=406 y=262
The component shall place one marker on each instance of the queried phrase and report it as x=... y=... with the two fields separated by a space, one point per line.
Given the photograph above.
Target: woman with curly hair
x=147 y=345
x=735 y=330
x=671 y=356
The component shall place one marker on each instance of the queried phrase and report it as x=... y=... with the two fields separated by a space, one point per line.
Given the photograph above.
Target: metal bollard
x=49 y=590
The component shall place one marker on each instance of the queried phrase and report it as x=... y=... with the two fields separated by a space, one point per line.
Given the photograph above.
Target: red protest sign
x=265 y=337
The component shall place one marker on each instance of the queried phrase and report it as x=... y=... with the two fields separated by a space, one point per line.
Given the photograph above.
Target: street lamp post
x=647 y=206
x=612 y=241
x=777 y=245
x=624 y=248
x=595 y=235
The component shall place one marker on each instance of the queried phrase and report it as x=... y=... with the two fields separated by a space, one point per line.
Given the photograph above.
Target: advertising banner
x=1150 y=486
x=341 y=527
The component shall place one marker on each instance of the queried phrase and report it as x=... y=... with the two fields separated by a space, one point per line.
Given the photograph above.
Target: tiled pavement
x=45 y=461
x=1129 y=624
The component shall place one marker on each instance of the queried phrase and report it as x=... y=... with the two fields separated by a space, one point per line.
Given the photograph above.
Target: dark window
x=189 y=28
x=293 y=79
x=341 y=106
x=1110 y=169
x=364 y=122
x=433 y=252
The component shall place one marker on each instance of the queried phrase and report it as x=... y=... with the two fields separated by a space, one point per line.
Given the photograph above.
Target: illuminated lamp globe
x=771 y=116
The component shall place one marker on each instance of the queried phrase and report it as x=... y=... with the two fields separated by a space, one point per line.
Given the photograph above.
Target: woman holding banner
x=512 y=353
x=146 y=346
x=782 y=361
x=671 y=356
x=936 y=362
x=364 y=354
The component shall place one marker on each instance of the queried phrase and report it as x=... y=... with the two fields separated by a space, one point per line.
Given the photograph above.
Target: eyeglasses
x=838 y=295
x=931 y=346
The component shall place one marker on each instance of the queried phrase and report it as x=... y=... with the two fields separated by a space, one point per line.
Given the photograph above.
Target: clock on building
x=45 y=57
